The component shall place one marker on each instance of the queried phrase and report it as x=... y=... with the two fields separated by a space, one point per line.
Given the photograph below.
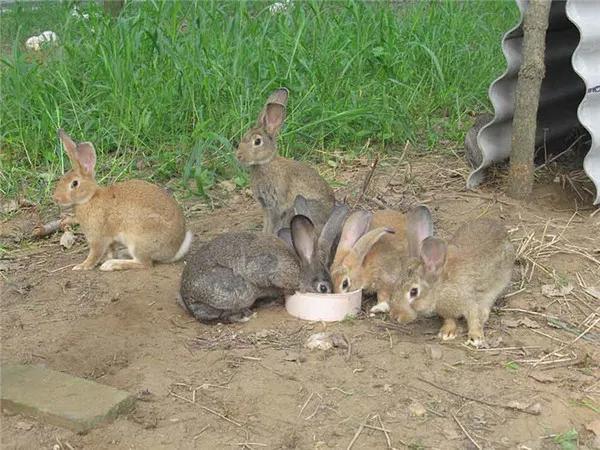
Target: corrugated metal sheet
x=570 y=92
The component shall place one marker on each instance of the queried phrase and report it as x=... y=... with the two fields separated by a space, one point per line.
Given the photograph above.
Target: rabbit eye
x=74 y=184
x=322 y=288
x=345 y=283
x=414 y=292
x=257 y=141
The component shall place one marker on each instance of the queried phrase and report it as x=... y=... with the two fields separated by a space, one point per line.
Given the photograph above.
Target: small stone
x=25 y=426
x=387 y=388
x=326 y=341
x=542 y=377
x=434 y=352
x=594 y=427
x=416 y=409
x=67 y=239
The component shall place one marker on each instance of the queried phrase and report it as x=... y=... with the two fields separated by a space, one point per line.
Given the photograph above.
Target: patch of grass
x=567 y=440
x=513 y=366
x=175 y=83
x=349 y=319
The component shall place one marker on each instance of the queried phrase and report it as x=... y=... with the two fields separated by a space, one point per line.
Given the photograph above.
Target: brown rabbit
x=459 y=278
x=276 y=181
x=136 y=214
x=373 y=260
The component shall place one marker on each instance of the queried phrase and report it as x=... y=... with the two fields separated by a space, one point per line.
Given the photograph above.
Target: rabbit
x=373 y=249
x=223 y=278
x=277 y=181
x=138 y=215
x=329 y=235
x=459 y=278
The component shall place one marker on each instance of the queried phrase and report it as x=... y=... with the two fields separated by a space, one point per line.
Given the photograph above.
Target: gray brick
x=59 y=398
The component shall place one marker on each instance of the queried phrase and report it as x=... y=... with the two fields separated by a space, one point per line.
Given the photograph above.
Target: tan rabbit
x=459 y=278
x=276 y=181
x=373 y=260
x=142 y=217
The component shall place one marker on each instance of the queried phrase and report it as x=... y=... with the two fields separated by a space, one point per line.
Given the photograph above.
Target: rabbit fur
x=276 y=181
x=459 y=278
x=223 y=278
x=138 y=215
x=372 y=250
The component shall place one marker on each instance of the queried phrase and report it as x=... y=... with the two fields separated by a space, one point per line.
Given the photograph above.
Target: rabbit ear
x=273 y=114
x=356 y=225
x=68 y=144
x=301 y=206
x=285 y=234
x=303 y=238
x=365 y=243
x=419 y=226
x=330 y=234
x=433 y=255
x=86 y=157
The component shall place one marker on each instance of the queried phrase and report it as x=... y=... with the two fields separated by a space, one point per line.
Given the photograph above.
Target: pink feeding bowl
x=323 y=307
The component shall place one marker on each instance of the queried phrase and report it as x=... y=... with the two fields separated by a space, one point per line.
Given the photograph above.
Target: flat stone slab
x=59 y=398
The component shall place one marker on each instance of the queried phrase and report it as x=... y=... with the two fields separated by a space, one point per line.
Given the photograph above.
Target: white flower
x=35 y=42
x=75 y=13
x=279 y=6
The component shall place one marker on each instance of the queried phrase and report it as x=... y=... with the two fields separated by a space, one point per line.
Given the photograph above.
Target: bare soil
x=255 y=385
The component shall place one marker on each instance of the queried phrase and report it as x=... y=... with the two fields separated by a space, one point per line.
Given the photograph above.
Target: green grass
x=144 y=88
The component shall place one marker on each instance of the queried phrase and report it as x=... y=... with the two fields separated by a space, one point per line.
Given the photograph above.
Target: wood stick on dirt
x=568 y=344
x=237 y=424
x=46 y=229
x=478 y=400
x=358 y=431
x=466 y=432
x=367 y=181
x=385 y=432
x=529 y=82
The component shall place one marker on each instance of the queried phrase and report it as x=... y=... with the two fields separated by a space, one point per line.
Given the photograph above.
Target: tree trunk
x=113 y=7
x=531 y=74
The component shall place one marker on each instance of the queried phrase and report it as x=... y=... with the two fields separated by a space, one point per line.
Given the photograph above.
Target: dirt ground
x=255 y=386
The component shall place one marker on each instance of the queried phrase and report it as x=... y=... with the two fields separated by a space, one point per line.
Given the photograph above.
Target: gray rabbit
x=223 y=278
x=276 y=181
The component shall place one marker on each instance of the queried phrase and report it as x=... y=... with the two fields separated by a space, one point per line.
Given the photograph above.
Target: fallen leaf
x=552 y=290
x=67 y=239
x=542 y=377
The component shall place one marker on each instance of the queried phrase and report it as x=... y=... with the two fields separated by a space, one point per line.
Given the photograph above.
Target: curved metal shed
x=570 y=92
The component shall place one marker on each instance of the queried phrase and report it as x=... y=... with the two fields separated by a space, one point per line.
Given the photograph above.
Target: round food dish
x=323 y=307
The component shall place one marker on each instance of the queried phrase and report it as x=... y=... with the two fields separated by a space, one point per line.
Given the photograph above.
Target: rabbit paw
x=381 y=307
x=81 y=266
x=448 y=330
x=447 y=335
x=477 y=342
